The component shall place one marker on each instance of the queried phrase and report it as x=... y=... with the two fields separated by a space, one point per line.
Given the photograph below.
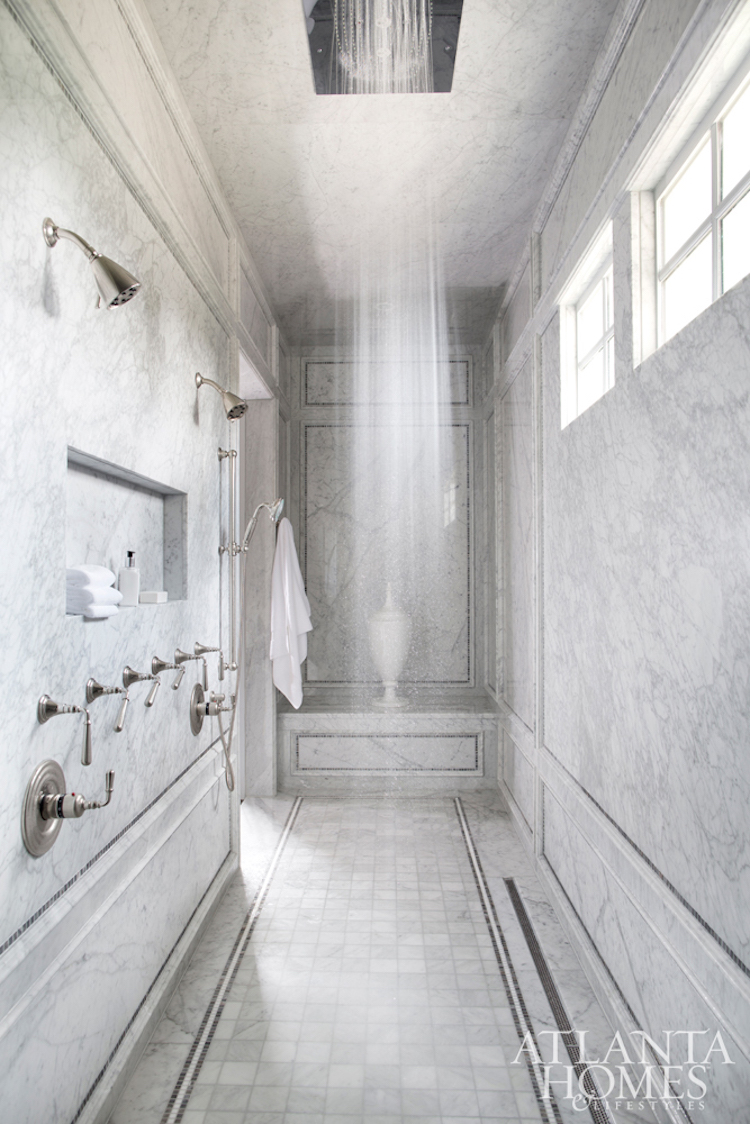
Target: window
x=587 y=332
x=703 y=218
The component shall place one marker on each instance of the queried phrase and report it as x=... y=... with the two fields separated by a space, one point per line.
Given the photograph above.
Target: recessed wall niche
x=111 y=510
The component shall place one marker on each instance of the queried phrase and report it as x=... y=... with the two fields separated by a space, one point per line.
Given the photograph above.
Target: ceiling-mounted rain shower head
x=115 y=284
x=234 y=406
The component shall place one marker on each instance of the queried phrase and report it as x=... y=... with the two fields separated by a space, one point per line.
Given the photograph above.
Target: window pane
x=591 y=381
x=688 y=203
x=591 y=325
x=735 y=243
x=688 y=290
x=610 y=375
x=735 y=132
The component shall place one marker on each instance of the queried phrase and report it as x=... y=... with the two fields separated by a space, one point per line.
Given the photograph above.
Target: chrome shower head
x=116 y=286
x=235 y=407
x=275 y=509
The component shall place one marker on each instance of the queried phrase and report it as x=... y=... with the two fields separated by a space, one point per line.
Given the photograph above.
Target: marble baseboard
x=418 y=749
x=72 y=983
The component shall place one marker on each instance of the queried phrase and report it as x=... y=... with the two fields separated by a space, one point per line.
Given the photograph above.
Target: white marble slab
x=397 y=753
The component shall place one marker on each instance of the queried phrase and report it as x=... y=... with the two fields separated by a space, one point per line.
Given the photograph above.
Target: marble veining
x=345 y=554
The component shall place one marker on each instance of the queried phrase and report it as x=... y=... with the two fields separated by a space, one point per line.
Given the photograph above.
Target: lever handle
x=86 y=750
x=121 y=716
x=47 y=708
x=152 y=692
x=205 y=674
x=178 y=678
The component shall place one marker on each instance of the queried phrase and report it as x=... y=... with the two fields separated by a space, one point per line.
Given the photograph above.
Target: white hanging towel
x=290 y=617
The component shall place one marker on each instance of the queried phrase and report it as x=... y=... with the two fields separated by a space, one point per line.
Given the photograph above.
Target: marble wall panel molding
x=68 y=959
x=518 y=776
x=442 y=649
x=336 y=382
x=518 y=501
x=649 y=972
x=390 y=754
x=714 y=970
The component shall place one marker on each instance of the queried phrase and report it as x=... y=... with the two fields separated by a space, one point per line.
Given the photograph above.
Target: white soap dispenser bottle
x=129 y=582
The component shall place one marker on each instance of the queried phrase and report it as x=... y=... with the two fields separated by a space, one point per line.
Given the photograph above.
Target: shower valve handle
x=47 y=708
x=71 y=805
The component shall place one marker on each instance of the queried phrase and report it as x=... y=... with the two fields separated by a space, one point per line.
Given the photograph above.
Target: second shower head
x=235 y=407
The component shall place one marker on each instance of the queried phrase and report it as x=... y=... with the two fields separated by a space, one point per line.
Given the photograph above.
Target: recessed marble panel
x=253 y=317
x=518 y=547
x=346 y=382
x=399 y=753
x=648 y=975
x=490 y=439
x=387 y=505
x=518 y=774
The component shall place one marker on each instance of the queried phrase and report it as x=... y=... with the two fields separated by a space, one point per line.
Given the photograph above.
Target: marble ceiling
x=305 y=174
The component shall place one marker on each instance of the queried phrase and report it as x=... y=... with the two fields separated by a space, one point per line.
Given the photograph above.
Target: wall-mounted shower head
x=235 y=407
x=115 y=284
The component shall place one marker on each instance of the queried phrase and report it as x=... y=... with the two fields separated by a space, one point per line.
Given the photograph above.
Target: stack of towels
x=90 y=591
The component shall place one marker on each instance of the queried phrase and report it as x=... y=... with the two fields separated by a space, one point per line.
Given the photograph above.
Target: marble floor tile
x=370 y=989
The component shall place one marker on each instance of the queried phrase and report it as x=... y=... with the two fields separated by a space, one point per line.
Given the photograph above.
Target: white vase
x=390 y=633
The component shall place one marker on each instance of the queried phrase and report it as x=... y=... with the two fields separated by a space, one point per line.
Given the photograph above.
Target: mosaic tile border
x=108 y=846
x=597 y=1106
x=653 y=867
x=180 y=1096
x=97 y=1080
x=677 y=1105
x=516 y=1002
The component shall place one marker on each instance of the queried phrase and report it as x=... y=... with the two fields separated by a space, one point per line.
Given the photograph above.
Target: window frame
x=595 y=264
x=709 y=131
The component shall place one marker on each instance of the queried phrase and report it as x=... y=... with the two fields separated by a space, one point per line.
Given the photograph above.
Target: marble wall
x=94 y=933
x=626 y=536
x=355 y=535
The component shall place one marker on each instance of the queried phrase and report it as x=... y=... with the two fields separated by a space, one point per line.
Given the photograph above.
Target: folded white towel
x=89 y=575
x=78 y=598
x=290 y=617
x=99 y=612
